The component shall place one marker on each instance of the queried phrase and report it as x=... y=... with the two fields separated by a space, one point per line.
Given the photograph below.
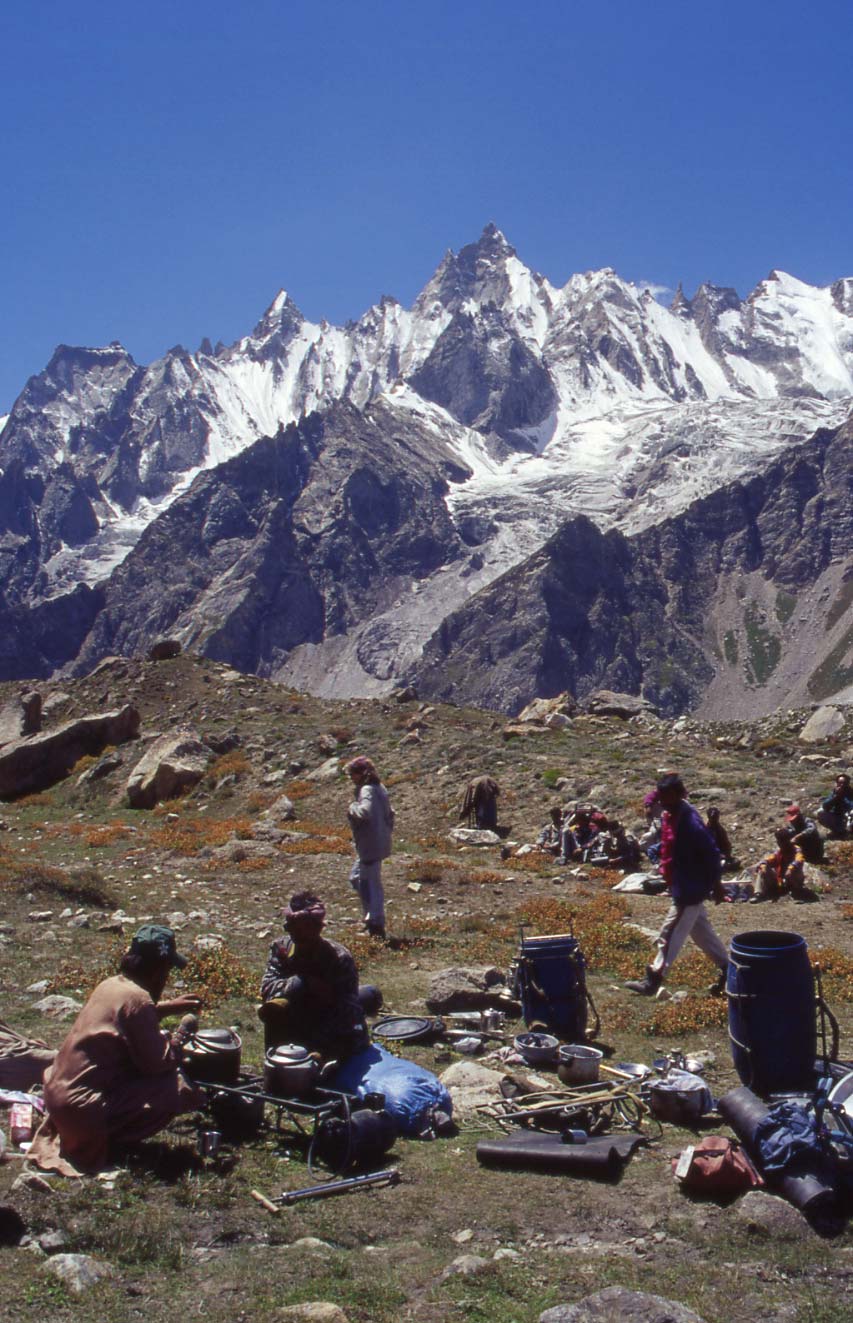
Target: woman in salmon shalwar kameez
x=116 y=1078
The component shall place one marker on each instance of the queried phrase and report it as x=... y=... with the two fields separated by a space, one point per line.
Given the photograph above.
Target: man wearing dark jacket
x=691 y=866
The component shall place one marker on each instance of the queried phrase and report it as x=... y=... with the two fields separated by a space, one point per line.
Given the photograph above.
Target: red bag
x=716 y=1166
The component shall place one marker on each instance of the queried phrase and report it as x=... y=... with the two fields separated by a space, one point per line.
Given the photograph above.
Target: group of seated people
x=118 y=1078
x=587 y=835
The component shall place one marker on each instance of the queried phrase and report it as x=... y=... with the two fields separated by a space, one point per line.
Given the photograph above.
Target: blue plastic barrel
x=552 y=978
x=772 y=1017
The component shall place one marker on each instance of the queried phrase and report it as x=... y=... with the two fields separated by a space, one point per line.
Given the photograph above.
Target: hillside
x=208 y=864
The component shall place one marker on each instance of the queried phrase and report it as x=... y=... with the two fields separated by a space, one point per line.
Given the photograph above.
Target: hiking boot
x=646 y=986
x=718 y=987
x=376 y=930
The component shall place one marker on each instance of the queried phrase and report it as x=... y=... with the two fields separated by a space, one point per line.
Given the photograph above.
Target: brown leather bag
x=716 y=1166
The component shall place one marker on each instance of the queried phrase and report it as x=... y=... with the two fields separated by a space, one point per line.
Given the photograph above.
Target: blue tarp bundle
x=411 y=1092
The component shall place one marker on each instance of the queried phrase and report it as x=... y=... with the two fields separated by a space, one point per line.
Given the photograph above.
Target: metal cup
x=209 y=1143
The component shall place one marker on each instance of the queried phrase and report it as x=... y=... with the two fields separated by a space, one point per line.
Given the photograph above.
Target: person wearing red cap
x=804 y=833
x=371 y=820
x=310 y=987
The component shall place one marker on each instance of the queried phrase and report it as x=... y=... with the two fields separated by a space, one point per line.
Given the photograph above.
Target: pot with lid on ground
x=212 y=1056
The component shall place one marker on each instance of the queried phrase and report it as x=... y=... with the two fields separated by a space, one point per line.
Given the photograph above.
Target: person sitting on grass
x=782 y=872
x=836 y=811
x=309 y=990
x=550 y=837
x=723 y=842
x=804 y=833
x=619 y=849
x=117 y=1079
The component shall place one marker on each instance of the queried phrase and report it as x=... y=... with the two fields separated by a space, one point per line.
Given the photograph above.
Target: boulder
x=607 y=703
x=472 y=836
x=769 y=1215
x=103 y=767
x=281 y=810
x=35 y=762
x=164 y=650
x=19 y=717
x=470 y=1085
x=330 y=770
x=172 y=765
x=458 y=989
x=221 y=744
x=616 y=1305
x=58 y=1008
x=541 y=709
x=78 y=1272
x=823 y=724
x=408 y=694
x=557 y=721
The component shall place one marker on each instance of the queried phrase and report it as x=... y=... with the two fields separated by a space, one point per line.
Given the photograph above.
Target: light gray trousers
x=366 y=879
x=681 y=922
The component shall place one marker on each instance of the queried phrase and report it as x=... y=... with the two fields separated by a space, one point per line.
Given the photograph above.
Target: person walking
x=371 y=820
x=691 y=866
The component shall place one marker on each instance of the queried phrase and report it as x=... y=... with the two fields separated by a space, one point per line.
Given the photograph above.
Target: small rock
x=38 y=988
x=53 y=1241
x=39 y=916
x=78 y=1272
x=462 y=1237
x=505 y=1253
x=330 y=770
x=615 y=1305
x=774 y=1216
x=58 y=1008
x=467 y=1265
x=313 y=1311
x=310 y=1242
x=30 y=1180
x=472 y=836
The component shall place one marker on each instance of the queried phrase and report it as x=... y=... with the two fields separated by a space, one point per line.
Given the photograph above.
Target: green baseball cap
x=154 y=941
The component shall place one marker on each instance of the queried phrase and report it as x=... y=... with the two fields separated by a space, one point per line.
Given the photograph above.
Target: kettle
x=290 y=1071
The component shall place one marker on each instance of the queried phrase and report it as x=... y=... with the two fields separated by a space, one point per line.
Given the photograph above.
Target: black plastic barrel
x=772 y=1023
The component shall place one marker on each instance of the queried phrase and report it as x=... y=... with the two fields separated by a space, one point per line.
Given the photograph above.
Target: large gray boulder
x=607 y=703
x=822 y=725
x=172 y=765
x=459 y=989
x=37 y=762
x=616 y=1305
x=769 y=1215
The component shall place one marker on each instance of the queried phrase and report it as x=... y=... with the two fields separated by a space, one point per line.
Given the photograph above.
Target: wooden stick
x=265 y=1202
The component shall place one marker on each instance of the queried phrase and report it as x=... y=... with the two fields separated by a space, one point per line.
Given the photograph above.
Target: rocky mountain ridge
x=469 y=427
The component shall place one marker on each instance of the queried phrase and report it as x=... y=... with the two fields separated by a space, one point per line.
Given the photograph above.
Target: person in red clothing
x=691 y=866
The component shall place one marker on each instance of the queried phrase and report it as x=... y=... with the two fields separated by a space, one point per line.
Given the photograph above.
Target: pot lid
x=287 y=1054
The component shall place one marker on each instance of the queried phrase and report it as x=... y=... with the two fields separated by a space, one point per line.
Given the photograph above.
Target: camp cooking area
x=522 y=1132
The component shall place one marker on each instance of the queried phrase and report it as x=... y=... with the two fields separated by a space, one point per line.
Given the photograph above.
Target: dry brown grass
x=189 y=835
x=111 y=832
x=234 y=764
x=297 y=790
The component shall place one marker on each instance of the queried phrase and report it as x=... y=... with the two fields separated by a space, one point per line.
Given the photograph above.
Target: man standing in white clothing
x=371 y=820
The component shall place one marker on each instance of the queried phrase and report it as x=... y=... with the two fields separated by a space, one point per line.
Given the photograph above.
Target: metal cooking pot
x=237 y=1115
x=289 y=1071
x=212 y=1056
x=579 y=1064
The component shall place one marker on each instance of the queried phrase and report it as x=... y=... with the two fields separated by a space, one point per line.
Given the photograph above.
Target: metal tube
x=328 y=1188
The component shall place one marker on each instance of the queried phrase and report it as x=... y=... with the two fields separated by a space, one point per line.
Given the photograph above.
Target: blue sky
x=166 y=167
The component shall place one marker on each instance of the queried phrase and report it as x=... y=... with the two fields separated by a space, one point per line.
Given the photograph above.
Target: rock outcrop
x=36 y=762
x=171 y=766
